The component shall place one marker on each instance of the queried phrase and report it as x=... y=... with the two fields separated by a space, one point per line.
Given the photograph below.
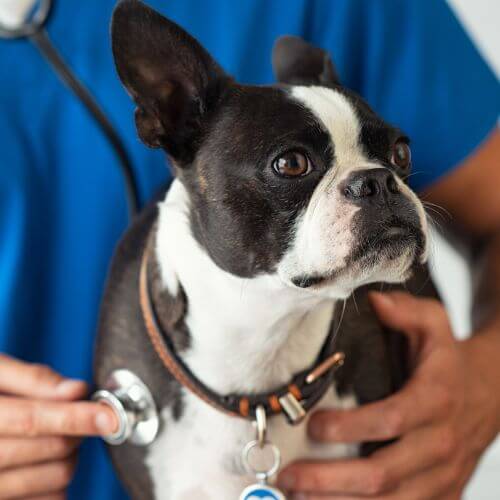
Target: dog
x=286 y=199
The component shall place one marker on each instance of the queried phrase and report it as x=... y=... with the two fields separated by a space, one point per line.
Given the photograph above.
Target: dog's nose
x=376 y=185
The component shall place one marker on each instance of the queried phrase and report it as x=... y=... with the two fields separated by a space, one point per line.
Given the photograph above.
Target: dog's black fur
x=242 y=213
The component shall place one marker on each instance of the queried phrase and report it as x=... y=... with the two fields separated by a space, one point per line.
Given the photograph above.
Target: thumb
x=422 y=320
x=395 y=309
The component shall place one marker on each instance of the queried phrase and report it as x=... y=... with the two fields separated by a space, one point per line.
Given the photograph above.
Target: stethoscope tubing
x=34 y=30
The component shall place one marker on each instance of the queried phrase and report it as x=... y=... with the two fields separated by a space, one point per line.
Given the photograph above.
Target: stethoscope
x=124 y=392
x=33 y=29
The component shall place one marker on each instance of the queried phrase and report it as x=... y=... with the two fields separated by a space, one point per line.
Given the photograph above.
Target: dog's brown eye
x=401 y=155
x=292 y=164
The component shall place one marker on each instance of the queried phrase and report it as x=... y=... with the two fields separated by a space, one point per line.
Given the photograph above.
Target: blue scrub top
x=62 y=203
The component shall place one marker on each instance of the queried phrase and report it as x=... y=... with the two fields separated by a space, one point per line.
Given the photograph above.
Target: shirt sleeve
x=416 y=66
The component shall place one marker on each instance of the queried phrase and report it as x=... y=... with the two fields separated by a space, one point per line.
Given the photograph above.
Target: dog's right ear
x=297 y=62
x=170 y=76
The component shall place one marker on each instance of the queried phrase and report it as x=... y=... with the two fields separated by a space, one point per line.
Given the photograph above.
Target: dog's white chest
x=199 y=456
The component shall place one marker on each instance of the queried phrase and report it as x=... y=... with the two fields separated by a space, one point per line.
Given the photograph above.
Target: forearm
x=483 y=348
x=486 y=272
x=475 y=224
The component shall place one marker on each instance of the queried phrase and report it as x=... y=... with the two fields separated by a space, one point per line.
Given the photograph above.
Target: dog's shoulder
x=122 y=339
x=120 y=317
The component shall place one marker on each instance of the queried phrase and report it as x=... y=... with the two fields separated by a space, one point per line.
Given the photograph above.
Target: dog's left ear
x=170 y=76
x=297 y=62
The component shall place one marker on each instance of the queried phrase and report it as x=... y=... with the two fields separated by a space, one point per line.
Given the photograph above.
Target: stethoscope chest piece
x=134 y=406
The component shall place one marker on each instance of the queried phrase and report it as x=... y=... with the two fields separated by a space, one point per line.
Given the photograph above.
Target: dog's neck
x=247 y=335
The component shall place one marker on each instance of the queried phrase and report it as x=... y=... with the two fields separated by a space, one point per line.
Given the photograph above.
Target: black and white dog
x=286 y=199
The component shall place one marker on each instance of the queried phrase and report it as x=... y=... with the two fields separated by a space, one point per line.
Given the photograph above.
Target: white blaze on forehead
x=338 y=117
x=323 y=238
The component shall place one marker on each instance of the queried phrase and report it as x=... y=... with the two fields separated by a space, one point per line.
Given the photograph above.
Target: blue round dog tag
x=261 y=492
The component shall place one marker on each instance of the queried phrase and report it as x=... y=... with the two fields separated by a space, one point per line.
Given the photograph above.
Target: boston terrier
x=286 y=199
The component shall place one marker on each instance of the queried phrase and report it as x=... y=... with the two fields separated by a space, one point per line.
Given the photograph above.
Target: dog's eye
x=401 y=155
x=292 y=164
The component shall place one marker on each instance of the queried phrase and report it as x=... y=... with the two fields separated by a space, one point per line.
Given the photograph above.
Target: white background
x=481 y=18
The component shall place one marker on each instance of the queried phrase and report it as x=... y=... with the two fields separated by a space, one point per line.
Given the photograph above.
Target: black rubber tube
x=42 y=41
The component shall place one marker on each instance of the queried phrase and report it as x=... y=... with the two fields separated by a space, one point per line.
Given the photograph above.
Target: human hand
x=443 y=419
x=40 y=421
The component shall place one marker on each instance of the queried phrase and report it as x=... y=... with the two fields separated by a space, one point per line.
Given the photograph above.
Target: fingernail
x=287 y=480
x=105 y=423
x=69 y=387
x=298 y=496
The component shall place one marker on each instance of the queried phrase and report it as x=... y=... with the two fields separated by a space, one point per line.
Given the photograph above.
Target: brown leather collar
x=294 y=399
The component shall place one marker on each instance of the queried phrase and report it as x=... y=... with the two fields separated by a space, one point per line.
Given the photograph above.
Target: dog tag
x=261 y=492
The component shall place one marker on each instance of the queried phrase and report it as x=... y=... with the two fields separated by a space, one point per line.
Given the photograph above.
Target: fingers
x=431 y=484
x=436 y=483
x=426 y=397
x=28 y=418
x=35 y=480
x=415 y=452
x=358 y=476
x=412 y=407
x=382 y=472
x=37 y=381
x=15 y=452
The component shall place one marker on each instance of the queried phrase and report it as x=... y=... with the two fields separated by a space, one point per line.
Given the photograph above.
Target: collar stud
x=293 y=409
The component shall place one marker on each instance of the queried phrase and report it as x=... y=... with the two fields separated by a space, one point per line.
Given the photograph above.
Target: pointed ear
x=170 y=76
x=297 y=62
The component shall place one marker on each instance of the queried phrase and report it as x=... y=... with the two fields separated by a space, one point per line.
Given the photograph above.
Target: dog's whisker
x=411 y=174
x=436 y=206
x=437 y=209
x=355 y=303
x=434 y=222
x=337 y=329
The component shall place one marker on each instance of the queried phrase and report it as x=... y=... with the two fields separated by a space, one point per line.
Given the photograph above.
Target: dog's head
x=302 y=179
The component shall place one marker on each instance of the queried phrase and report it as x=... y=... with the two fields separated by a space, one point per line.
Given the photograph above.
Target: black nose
x=376 y=185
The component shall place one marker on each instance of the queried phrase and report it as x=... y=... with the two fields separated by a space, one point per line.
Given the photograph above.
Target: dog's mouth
x=390 y=241
x=385 y=243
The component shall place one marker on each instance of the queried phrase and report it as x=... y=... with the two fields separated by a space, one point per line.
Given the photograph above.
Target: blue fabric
x=62 y=203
